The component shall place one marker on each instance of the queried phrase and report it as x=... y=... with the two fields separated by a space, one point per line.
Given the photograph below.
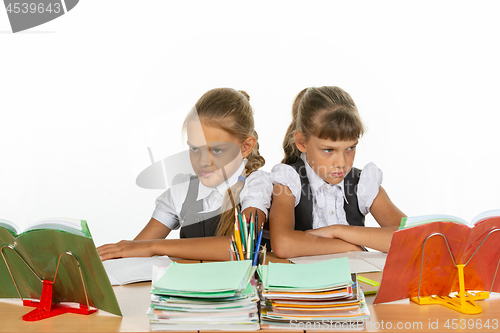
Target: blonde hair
x=326 y=112
x=229 y=110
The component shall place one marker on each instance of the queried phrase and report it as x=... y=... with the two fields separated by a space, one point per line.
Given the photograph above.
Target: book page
x=64 y=224
x=374 y=258
x=481 y=254
x=359 y=261
x=426 y=219
x=9 y=226
x=485 y=215
x=129 y=270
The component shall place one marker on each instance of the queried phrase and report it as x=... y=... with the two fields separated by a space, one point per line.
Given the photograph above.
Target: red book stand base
x=45 y=308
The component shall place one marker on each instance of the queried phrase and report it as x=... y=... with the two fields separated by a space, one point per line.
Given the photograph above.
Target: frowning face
x=330 y=160
x=215 y=154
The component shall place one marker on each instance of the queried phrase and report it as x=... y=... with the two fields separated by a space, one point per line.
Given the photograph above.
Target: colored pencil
x=237 y=238
x=250 y=237
x=234 y=247
x=241 y=227
x=232 y=250
x=256 y=224
x=256 y=230
x=257 y=246
x=244 y=231
x=368 y=281
x=236 y=223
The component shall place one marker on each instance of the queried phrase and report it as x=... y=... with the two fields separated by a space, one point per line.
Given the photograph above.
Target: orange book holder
x=45 y=308
x=463 y=301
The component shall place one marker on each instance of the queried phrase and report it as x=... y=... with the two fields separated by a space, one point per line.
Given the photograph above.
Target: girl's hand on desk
x=124 y=248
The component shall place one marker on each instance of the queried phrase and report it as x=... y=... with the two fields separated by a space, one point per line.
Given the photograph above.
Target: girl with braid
x=224 y=154
x=319 y=199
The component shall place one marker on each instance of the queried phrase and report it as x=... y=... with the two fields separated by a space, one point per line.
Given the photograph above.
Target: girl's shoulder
x=282 y=168
x=286 y=175
x=258 y=174
x=257 y=191
x=371 y=172
x=258 y=179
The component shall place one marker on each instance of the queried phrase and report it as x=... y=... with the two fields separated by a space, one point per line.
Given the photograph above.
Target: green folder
x=216 y=278
x=206 y=296
x=326 y=274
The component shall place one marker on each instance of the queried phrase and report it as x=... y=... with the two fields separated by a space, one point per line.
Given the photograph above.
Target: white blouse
x=328 y=200
x=256 y=193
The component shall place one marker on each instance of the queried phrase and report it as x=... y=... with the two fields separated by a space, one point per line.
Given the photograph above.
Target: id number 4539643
x=471 y=324
x=33 y=7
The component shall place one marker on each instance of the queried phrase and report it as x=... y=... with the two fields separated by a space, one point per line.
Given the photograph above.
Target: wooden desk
x=134 y=300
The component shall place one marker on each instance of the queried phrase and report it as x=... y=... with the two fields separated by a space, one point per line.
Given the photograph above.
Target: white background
x=83 y=96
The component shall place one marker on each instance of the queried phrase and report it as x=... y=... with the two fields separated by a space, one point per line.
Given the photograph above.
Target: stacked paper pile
x=321 y=295
x=206 y=296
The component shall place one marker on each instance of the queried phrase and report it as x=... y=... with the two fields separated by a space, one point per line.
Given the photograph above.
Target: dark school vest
x=304 y=210
x=193 y=223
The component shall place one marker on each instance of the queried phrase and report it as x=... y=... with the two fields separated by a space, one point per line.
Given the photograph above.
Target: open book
x=401 y=276
x=359 y=261
x=72 y=226
x=408 y=222
x=130 y=270
x=34 y=254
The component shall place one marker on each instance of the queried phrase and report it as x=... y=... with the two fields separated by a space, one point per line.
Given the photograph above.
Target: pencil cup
x=244 y=255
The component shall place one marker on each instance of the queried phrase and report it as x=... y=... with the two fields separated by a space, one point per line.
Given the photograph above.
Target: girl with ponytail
x=224 y=154
x=319 y=199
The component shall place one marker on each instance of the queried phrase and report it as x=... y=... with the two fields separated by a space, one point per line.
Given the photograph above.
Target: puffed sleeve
x=286 y=175
x=368 y=187
x=257 y=191
x=169 y=203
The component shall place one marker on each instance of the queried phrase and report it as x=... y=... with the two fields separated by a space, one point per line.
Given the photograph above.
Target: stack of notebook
x=321 y=295
x=206 y=296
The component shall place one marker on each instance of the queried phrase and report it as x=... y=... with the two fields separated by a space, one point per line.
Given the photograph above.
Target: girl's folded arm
x=288 y=242
x=385 y=213
x=373 y=237
x=388 y=216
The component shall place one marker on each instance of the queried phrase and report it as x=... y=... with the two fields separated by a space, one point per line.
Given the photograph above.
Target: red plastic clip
x=45 y=308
